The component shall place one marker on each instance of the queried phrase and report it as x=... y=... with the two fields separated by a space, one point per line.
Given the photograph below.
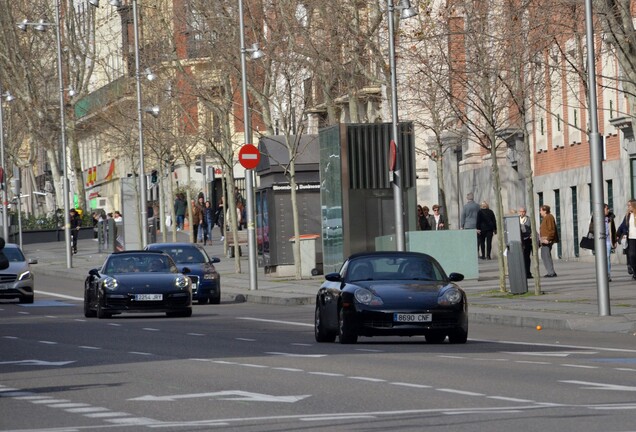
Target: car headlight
x=25 y=275
x=110 y=283
x=182 y=282
x=366 y=297
x=451 y=296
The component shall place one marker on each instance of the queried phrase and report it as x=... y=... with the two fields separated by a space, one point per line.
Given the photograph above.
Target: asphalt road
x=249 y=367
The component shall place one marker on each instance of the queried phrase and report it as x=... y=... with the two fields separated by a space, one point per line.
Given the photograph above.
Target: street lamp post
x=249 y=174
x=398 y=205
x=143 y=204
x=41 y=26
x=5 y=203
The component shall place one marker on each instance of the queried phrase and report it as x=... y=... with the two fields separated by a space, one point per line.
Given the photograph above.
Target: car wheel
x=346 y=334
x=101 y=313
x=435 y=338
x=203 y=300
x=321 y=334
x=215 y=299
x=26 y=299
x=88 y=312
x=458 y=336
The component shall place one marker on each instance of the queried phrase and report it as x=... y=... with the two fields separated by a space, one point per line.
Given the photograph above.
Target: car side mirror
x=215 y=260
x=333 y=277
x=456 y=277
x=186 y=270
x=32 y=261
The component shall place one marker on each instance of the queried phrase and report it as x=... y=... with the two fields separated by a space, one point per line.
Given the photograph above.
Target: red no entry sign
x=249 y=156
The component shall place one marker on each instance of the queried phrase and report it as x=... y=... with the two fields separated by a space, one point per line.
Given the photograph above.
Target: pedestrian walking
x=208 y=222
x=469 y=213
x=179 y=211
x=549 y=236
x=526 y=239
x=76 y=224
x=627 y=233
x=196 y=218
x=610 y=236
x=486 y=228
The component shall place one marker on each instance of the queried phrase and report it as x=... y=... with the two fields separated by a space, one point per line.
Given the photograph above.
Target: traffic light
x=154 y=177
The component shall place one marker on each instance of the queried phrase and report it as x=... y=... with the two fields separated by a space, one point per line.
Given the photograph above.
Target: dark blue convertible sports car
x=138 y=281
x=391 y=294
x=206 y=281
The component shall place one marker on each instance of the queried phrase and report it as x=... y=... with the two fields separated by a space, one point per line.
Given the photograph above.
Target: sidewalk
x=569 y=301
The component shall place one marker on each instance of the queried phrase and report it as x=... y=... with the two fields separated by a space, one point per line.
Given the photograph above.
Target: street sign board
x=249 y=156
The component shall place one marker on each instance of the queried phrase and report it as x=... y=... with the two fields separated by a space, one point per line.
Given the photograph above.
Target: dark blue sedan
x=206 y=281
x=391 y=294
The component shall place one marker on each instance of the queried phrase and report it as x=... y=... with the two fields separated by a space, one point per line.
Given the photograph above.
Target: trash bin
x=514 y=254
x=307 y=254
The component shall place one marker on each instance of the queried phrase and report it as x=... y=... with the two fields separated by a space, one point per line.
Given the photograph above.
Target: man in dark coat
x=486 y=228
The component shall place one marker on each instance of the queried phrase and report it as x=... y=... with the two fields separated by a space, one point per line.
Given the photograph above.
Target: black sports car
x=138 y=281
x=206 y=281
x=391 y=294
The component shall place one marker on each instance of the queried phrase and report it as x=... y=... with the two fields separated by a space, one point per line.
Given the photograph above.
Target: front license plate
x=423 y=317
x=148 y=297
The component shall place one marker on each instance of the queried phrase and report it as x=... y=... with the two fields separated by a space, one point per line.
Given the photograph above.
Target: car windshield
x=142 y=263
x=13 y=254
x=392 y=268
x=186 y=254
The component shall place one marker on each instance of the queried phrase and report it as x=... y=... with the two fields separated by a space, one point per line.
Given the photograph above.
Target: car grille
x=6 y=278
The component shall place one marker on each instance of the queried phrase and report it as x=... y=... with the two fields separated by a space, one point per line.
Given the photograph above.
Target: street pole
x=5 y=202
x=596 y=165
x=143 y=205
x=65 y=185
x=249 y=174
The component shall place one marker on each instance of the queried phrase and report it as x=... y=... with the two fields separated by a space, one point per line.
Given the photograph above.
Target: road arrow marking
x=37 y=363
x=601 y=386
x=231 y=395
x=550 y=353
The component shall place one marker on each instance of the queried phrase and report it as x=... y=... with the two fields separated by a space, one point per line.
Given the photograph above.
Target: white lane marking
x=68 y=297
x=275 y=321
x=579 y=366
x=10 y=337
x=509 y=411
x=245 y=339
x=195 y=334
x=150 y=329
x=136 y=421
x=114 y=324
x=625 y=369
x=370 y=379
x=561 y=346
x=89 y=347
x=337 y=417
x=330 y=374
x=140 y=353
x=600 y=386
x=50 y=316
x=90 y=409
x=38 y=363
x=48 y=401
x=48 y=342
x=369 y=350
x=549 y=353
x=451 y=356
x=231 y=395
x=302 y=344
x=69 y=405
x=32 y=398
x=24 y=313
x=510 y=399
x=532 y=362
x=288 y=369
x=106 y=414
x=619 y=407
x=253 y=365
x=403 y=384
x=296 y=355
x=224 y=362
x=460 y=392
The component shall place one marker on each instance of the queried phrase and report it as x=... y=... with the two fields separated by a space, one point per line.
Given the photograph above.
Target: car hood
x=15 y=268
x=399 y=293
x=146 y=282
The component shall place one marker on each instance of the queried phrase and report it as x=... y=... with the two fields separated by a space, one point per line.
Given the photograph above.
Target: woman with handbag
x=627 y=231
x=610 y=238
